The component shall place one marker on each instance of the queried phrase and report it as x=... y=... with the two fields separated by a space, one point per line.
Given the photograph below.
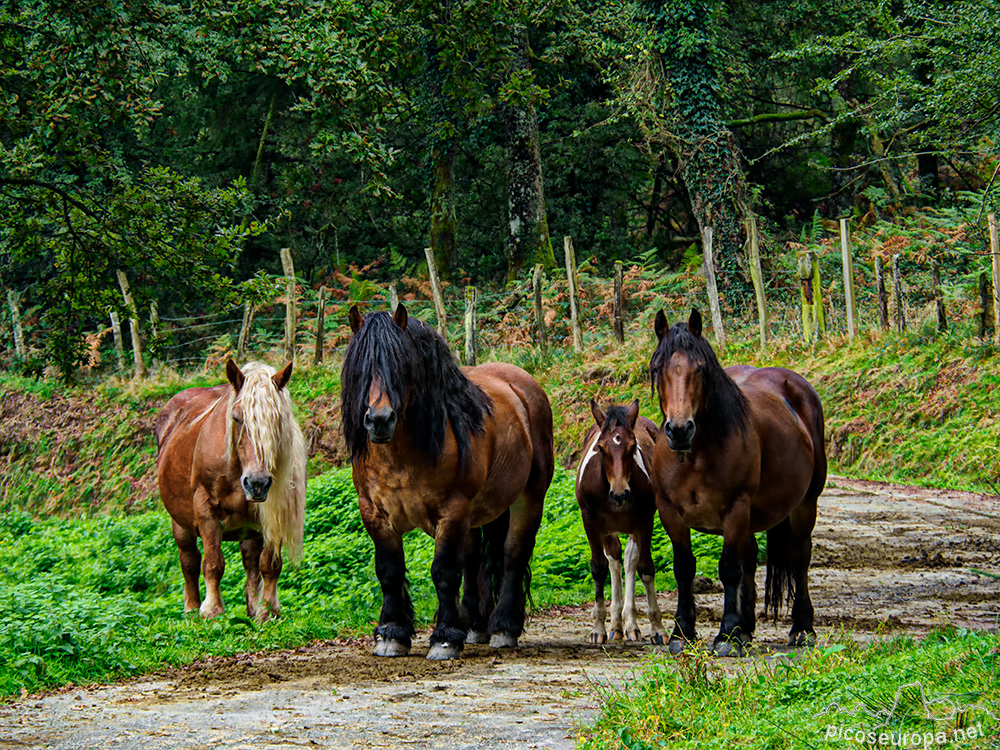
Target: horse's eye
x=237 y=419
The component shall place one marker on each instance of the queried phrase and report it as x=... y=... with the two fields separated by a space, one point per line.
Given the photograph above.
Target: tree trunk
x=443 y=222
x=695 y=129
x=528 y=240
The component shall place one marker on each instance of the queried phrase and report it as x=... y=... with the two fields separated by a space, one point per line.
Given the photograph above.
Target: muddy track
x=886 y=559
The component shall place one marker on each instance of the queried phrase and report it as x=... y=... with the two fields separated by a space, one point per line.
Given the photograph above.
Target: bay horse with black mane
x=231 y=466
x=615 y=494
x=741 y=451
x=466 y=455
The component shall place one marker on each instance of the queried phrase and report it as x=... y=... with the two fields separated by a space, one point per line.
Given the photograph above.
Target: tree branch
x=810 y=114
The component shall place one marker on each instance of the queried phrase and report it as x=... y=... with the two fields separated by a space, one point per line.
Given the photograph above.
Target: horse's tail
x=494 y=536
x=780 y=582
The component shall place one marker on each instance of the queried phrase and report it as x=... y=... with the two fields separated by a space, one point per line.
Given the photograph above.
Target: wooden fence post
x=619 y=304
x=574 y=303
x=942 y=323
x=757 y=275
x=713 y=290
x=15 y=319
x=897 y=283
x=290 y=312
x=320 y=323
x=116 y=329
x=241 y=346
x=995 y=255
x=536 y=283
x=845 y=251
x=882 y=297
x=154 y=324
x=804 y=272
x=471 y=337
x=985 y=302
x=138 y=366
x=393 y=299
x=432 y=271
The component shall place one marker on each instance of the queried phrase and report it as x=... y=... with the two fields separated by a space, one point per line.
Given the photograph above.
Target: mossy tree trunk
x=443 y=222
x=527 y=241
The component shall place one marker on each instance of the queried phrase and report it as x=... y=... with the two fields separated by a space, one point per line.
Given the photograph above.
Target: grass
x=943 y=691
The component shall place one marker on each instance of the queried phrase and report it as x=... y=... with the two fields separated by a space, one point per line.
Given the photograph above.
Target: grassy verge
x=943 y=691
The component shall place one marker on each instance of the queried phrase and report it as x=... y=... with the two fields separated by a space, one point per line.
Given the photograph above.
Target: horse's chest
x=700 y=502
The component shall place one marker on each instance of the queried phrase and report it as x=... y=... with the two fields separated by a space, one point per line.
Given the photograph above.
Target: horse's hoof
x=675 y=646
x=733 y=647
x=617 y=634
x=503 y=640
x=208 y=613
x=477 y=636
x=633 y=635
x=656 y=639
x=390 y=647
x=802 y=638
x=598 y=638
x=443 y=652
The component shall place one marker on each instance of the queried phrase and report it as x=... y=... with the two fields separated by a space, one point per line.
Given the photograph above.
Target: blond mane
x=270 y=425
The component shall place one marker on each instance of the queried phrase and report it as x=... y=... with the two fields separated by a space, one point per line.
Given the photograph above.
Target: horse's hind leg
x=448 y=638
x=250 y=550
x=483 y=575
x=212 y=567
x=187 y=548
x=270 y=569
x=472 y=588
x=647 y=574
x=507 y=620
x=802 y=519
x=748 y=589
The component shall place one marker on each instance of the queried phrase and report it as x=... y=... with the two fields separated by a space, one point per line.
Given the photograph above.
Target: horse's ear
x=660 y=324
x=280 y=379
x=234 y=375
x=694 y=322
x=354 y=318
x=598 y=414
x=633 y=414
x=400 y=317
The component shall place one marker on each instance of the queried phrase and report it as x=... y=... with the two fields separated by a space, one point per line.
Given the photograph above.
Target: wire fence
x=507 y=318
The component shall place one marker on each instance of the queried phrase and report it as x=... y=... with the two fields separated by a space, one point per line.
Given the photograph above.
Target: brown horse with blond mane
x=466 y=455
x=741 y=451
x=232 y=466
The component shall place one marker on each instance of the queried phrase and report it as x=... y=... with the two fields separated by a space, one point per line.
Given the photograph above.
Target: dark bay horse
x=466 y=455
x=741 y=451
x=232 y=466
x=615 y=494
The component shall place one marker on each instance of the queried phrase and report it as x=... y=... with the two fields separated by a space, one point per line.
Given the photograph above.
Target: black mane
x=615 y=416
x=415 y=361
x=725 y=406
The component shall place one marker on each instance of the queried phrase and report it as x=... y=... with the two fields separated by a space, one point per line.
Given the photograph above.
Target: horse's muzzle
x=680 y=437
x=257 y=487
x=380 y=424
x=619 y=499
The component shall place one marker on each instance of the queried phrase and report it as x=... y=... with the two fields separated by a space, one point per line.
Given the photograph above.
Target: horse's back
x=783 y=400
x=184 y=407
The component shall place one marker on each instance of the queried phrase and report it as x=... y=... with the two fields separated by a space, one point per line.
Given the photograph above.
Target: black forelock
x=725 y=403
x=417 y=360
x=615 y=416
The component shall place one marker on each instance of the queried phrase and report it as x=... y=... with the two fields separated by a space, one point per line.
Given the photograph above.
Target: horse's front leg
x=394 y=633
x=250 y=550
x=733 y=638
x=507 y=620
x=448 y=638
x=599 y=572
x=684 y=570
x=613 y=554
x=270 y=569
x=212 y=566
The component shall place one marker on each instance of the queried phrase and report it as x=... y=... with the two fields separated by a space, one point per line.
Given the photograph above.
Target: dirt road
x=886 y=559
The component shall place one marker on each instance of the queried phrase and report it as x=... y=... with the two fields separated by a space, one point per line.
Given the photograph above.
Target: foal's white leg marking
x=589 y=454
x=631 y=565
x=653 y=608
x=616 y=598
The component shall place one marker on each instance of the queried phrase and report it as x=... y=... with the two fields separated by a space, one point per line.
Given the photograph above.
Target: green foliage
x=803 y=699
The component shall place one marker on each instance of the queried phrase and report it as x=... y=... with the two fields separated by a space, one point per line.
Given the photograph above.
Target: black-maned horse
x=466 y=455
x=741 y=450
